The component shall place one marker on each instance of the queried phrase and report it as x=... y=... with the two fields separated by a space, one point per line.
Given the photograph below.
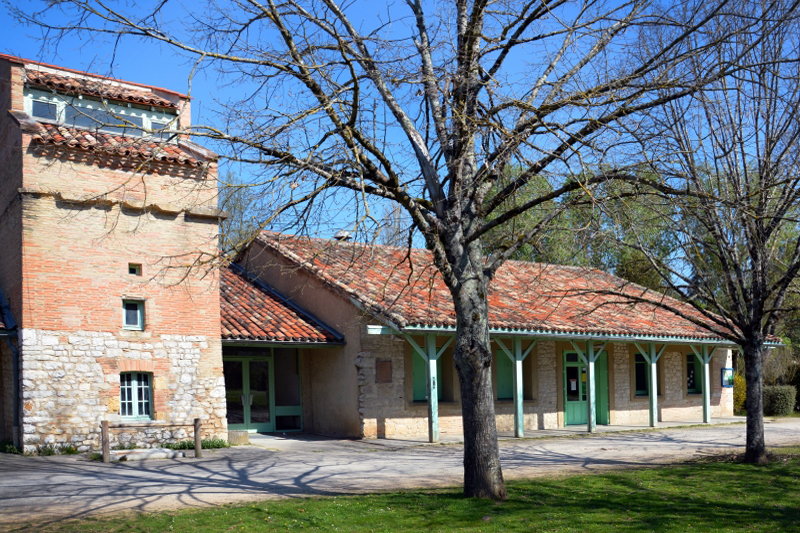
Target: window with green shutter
x=505 y=376
x=694 y=373
x=420 y=378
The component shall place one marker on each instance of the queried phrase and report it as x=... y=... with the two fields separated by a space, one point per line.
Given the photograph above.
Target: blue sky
x=152 y=64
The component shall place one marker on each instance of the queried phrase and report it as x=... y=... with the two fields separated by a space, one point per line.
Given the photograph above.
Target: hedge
x=739 y=392
x=779 y=400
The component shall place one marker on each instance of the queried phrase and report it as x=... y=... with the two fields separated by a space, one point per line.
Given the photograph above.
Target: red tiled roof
x=522 y=296
x=108 y=143
x=2 y=325
x=101 y=87
x=251 y=311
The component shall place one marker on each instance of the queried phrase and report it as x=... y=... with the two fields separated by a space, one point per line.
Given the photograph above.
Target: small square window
x=134 y=269
x=133 y=314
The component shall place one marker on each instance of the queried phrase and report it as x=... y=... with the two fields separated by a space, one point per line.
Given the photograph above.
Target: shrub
x=207 y=444
x=69 y=449
x=779 y=400
x=95 y=456
x=739 y=392
x=47 y=449
x=126 y=446
x=8 y=447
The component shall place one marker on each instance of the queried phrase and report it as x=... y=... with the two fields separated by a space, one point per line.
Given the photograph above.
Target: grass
x=721 y=494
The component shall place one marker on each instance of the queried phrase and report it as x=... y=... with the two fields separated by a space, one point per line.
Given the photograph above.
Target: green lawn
x=719 y=495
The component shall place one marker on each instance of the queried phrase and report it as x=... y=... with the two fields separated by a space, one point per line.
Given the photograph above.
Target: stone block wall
x=675 y=403
x=386 y=411
x=71 y=384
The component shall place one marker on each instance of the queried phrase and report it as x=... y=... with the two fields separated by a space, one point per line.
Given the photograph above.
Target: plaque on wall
x=727 y=377
x=383 y=371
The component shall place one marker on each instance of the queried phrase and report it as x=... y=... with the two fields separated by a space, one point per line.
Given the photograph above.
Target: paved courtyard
x=37 y=488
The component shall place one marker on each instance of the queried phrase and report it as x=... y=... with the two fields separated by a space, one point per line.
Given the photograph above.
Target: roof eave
x=265 y=342
x=555 y=335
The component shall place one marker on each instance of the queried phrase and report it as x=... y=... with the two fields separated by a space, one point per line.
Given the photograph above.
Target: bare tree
x=734 y=149
x=425 y=104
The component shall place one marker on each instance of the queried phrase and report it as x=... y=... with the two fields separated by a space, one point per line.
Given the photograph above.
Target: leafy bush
x=47 y=449
x=126 y=446
x=739 y=392
x=8 y=447
x=69 y=449
x=207 y=444
x=95 y=456
x=779 y=400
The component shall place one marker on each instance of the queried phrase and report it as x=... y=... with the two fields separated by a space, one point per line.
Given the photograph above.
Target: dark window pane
x=132 y=314
x=641 y=377
x=572 y=358
x=45 y=110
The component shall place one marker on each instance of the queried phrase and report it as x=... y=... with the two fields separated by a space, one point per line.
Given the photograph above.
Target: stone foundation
x=70 y=384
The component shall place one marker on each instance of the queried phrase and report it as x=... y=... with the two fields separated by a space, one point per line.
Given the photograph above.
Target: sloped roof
x=251 y=311
x=108 y=143
x=2 y=324
x=405 y=288
x=101 y=87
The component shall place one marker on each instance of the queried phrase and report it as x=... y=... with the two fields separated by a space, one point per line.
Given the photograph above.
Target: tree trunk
x=755 y=448
x=483 y=476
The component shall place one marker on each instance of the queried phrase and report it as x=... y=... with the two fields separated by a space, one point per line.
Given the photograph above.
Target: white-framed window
x=95 y=114
x=133 y=314
x=135 y=395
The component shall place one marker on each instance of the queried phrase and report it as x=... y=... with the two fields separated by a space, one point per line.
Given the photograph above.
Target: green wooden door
x=575 y=406
x=601 y=394
x=250 y=393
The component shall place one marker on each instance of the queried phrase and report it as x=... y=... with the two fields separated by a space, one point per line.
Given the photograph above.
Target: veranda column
x=707 y=385
x=519 y=421
x=653 y=360
x=590 y=386
x=433 y=392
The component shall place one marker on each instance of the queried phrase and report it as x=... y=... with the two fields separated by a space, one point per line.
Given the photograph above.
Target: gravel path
x=37 y=488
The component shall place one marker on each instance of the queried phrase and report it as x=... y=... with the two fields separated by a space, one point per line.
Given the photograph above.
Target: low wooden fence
x=105 y=428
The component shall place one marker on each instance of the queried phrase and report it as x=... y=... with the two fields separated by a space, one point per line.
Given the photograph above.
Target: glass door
x=250 y=396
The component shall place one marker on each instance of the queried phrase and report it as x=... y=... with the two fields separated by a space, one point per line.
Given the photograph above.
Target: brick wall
x=78 y=222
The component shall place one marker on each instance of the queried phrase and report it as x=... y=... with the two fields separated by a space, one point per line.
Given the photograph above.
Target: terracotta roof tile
x=522 y=296
x=109 y=143
x=95 y=87
x=251 y=311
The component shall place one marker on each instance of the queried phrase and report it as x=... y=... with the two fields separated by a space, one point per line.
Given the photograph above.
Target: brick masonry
x=71 y=222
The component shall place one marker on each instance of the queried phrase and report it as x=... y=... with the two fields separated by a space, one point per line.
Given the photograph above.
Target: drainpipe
x=8 y=319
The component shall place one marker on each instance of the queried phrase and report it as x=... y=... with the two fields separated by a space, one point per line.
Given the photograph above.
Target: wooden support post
x=591 y=395
x=198 y=439
x=653 y=382
x=704 y=356
x=519 y=421
x=105 y=441
x=706 y=385
x=433 y=391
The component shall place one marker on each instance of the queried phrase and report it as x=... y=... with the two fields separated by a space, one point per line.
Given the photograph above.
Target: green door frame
x=248 y=426
x=580 y=410
x=596 y=406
